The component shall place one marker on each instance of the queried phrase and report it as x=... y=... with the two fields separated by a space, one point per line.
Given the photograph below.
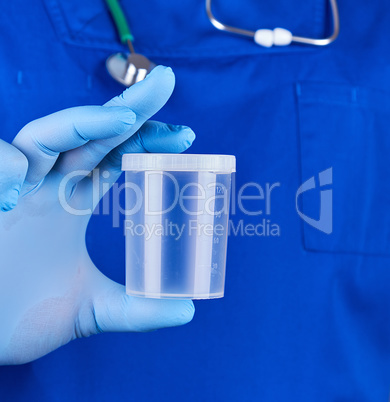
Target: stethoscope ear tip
x=277 y=37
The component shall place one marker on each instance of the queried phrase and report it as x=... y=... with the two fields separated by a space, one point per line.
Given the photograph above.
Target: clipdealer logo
x=325 y=221
x=266 y=227
x=207 y=205
x=262 y=196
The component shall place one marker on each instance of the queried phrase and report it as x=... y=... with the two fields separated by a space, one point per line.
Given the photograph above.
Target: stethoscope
x=130 y=68
x=277 y=36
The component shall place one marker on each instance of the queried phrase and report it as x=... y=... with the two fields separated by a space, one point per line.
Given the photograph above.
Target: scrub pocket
x=344 y=140
x=87 y=24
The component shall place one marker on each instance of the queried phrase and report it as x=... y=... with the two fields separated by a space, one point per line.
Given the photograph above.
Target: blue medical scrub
x=306 y=316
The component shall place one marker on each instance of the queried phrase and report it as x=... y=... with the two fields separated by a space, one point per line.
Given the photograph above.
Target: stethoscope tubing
x=297 y=39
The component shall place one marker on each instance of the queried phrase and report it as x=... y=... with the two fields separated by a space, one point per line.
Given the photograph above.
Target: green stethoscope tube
x=120 y=21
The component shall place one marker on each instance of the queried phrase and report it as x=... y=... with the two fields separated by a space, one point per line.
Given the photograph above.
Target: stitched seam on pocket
x=315 y=91
x=318 y=97
x=57 y=19
x=299 y=162
x=65 y=34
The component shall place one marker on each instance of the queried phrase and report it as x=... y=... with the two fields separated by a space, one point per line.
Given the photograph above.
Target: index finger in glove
x=42 y=140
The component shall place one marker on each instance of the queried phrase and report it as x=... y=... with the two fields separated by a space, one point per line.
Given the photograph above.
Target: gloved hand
x=50 y=290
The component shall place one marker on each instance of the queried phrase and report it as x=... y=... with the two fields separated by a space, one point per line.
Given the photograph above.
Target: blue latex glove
x=50 y=290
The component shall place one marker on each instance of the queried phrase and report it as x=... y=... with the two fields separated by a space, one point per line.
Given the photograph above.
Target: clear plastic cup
x=176 y=226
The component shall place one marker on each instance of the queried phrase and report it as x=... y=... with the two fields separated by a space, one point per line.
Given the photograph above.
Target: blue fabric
x=306 y=315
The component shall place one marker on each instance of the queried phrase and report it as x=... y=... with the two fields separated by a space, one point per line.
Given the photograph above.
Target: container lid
x=179 y=162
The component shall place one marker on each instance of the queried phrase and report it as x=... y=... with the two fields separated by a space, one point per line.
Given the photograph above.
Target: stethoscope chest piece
x=128 y=69
x=131 y=68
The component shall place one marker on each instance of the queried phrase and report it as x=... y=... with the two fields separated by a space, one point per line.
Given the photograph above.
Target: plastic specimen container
x=176 y=224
